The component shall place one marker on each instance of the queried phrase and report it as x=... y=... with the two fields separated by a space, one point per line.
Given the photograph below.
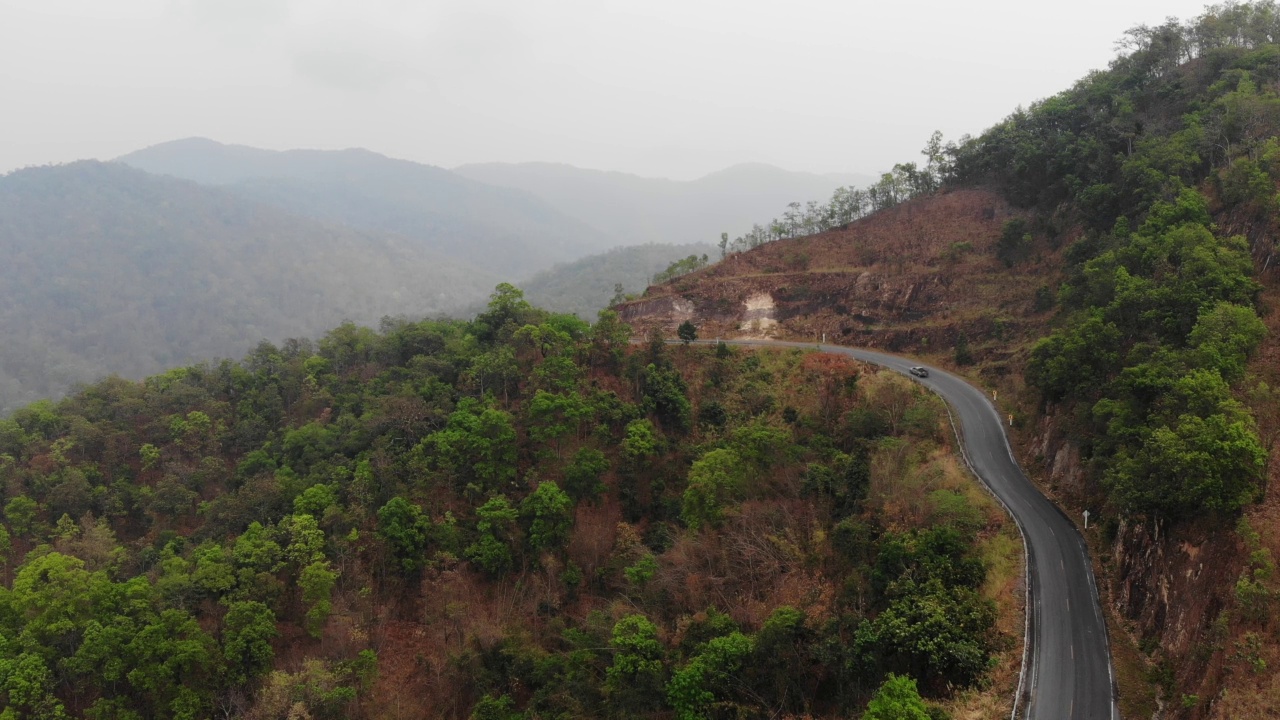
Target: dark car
x=919 y=371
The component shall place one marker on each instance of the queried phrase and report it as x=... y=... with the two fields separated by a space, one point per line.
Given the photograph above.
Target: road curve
x=1067 y=667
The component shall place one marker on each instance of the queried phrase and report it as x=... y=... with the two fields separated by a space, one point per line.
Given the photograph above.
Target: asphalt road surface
x=1067 y=668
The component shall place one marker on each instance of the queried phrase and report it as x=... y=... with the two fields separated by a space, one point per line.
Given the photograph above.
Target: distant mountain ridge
x=496 y=229
x=194 y=249
x=587 y=285
x=109 y=269
x=640 y=210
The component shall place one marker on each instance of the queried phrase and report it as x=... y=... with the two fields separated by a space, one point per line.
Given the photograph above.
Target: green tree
x=21 y=512
x=555 y=415
x=495 y=530
x=495 y=708
x=507 y=312
x=1225 y=337
x=687 y=332
x=306 y=540
x=609 y=338
x=255 y=550
x=247 y=631
x=780 y=669
x=549 y=514
x=496 y=370
x=214 y=572
x=6 y=546
x=478 y=444
x=315 y=500
x=714 y=479
x=26 y=687
x=940 y=634
x=316 y=582
x=406 y=530
x=639 y=443
x=582 y=476
x=897 y=699
x=1195 y=464
x=173 y=663
x=665 y=390
x=708 y=677
x=634 y=682
x=150 y=455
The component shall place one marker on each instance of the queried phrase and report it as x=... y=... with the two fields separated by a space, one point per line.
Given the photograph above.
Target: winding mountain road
x=1067 y=666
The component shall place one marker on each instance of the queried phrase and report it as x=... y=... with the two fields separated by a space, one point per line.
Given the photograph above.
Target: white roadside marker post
x=1086 y=519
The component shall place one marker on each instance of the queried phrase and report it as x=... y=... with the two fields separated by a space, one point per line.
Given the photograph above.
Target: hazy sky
x=674 y=88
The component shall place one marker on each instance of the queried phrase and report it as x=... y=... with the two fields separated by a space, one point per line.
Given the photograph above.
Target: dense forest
x=518 y=516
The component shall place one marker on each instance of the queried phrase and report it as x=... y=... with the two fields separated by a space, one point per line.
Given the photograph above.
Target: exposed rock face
x=672 y=309
x=758 y=317
x=1172 y=585
x=1061 y=458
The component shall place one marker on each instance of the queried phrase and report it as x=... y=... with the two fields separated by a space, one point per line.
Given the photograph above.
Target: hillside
x=638 y=210
x=906 y=278
x=111 y=270
x=1104 y=260
x=586 y=286
x=506 y=232
x=516 y=516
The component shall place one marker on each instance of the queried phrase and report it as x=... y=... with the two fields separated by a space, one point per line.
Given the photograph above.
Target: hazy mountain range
x=111 y=270
x=635 y=210
x=194 y=249
x=509 y=232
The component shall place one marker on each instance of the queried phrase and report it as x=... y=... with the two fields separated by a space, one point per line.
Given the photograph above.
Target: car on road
x=919 y=371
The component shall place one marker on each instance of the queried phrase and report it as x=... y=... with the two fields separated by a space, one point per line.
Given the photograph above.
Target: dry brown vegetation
x=910 y=278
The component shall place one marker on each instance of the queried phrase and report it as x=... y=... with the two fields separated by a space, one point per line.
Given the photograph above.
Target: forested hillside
x=518 y=516
x=110 y=270
x=586 y=286
x=637 y=210
x=1113 y=248
x=508 y=233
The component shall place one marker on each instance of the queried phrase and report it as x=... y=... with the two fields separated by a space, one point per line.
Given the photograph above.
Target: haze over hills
x=587 y=285
x=214 y=247
x=112 y=270
x=642 y=210
x=501 y=230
